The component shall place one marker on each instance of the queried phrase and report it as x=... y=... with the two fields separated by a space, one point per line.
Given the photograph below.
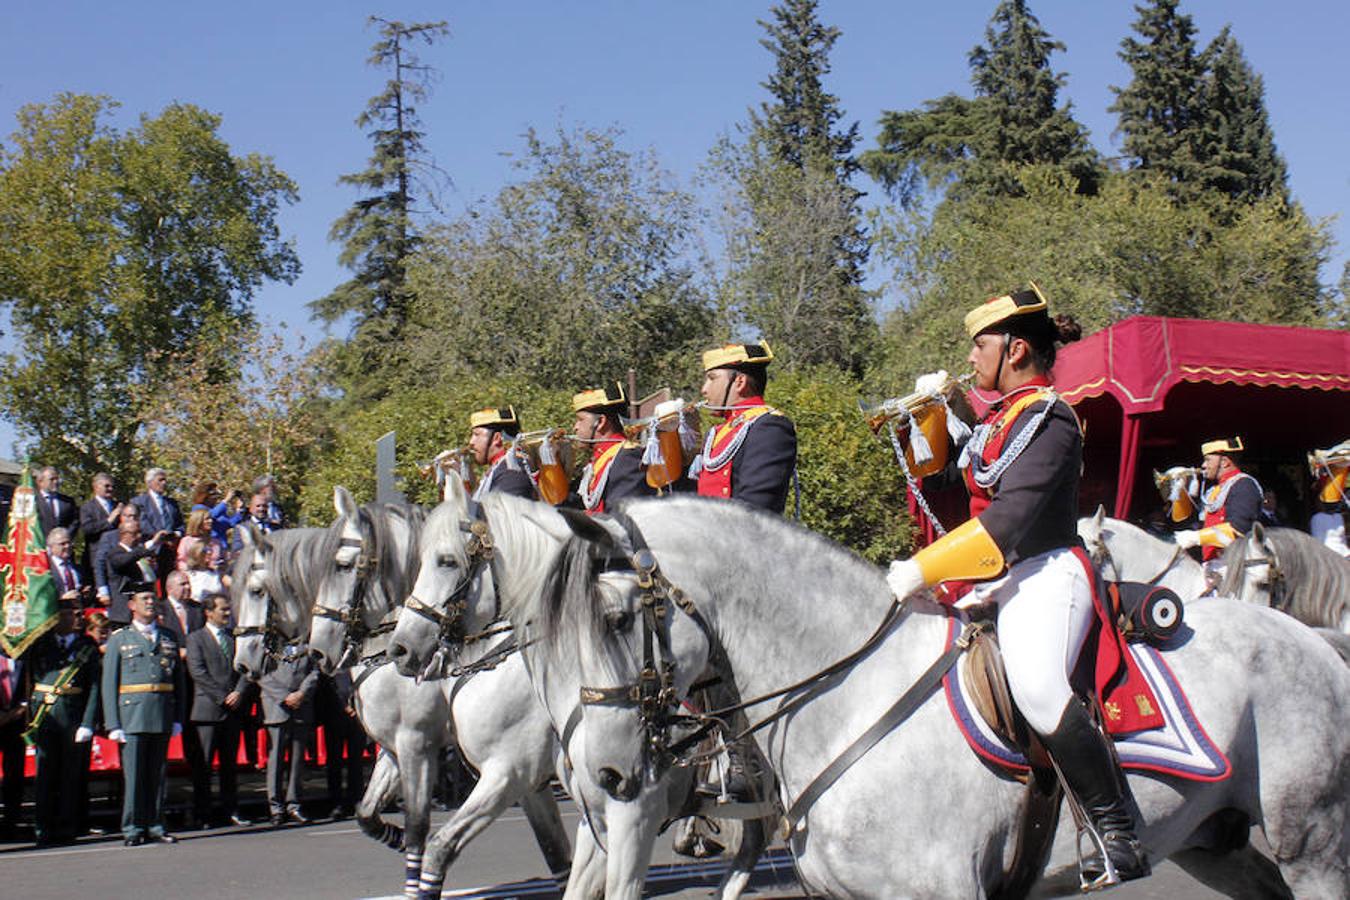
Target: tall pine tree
x=972 y=145
x=378 y=233
x=1236 y=141
x=1161 y=110
x=799 y=250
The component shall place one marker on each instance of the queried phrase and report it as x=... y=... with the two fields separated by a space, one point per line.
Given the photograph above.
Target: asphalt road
x=334 y=860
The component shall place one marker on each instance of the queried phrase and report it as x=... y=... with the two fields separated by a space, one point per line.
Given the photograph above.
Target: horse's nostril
x=241 y=669
x=316 y=655
x=397 y=650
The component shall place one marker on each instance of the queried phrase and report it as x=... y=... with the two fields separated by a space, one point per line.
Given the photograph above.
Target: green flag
x=28 y=598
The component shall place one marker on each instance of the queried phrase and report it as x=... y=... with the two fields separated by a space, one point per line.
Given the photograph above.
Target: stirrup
x=1089 y=879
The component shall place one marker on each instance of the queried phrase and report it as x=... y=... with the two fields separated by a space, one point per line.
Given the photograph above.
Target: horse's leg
x=383 y=785
x=754 y=838
x=541 y=810
x=587 y=881
x=417 y=760
x=632 y=827
x=1238 y=873
x=494 y=792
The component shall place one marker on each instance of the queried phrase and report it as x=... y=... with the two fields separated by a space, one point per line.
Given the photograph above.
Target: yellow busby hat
x=737 y=355
x=1226 y=446
x=599 y=398
x=998 y=310
x=494 y=417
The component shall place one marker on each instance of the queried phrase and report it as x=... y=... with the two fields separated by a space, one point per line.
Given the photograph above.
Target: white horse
x=618 y=832
x=494 y=717
x=1292 y=572
x=919 y=815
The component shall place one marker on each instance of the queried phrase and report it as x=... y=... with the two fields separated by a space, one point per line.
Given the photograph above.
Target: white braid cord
x=706 y=462
x=592 y=497
x=913 y=482
x=973 y=454
x=1213 y=506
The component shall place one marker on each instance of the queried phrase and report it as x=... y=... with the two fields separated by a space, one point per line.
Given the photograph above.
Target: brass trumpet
x=925 y=413
x=664 y=426
x=909 y=406
x=552 y=457
x=1331 y=467
x=1175 y=487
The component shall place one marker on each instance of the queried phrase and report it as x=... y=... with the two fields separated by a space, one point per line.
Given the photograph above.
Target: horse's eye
x=344 y=566
x=618 y=620
x=447 y=561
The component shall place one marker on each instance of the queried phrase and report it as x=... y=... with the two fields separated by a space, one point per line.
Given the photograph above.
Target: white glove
x=118 y=735
x=177 y=729
x=931 y=383
x=83 y=734
x=904 y=578
x=1186 y=539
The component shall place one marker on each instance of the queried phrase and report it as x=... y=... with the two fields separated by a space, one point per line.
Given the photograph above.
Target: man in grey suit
x=220 y=698
x=288 y=713
x=160 y=512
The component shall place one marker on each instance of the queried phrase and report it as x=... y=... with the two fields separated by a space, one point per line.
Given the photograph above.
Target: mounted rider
x=1022 y=467
x=615 y=470
x=1231 y=503
x=491 y=444
x=752 y=455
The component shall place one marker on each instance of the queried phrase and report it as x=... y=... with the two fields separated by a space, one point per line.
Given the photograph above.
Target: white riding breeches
x=1044 y=614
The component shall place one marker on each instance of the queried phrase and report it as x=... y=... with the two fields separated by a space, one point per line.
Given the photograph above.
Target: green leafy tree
x=1131 y=249
x=795 y=246
x=569 y=276
x=378 y=233
x=974 y=146
x=1161 y=111
x=1236 y=140
x=120 y=251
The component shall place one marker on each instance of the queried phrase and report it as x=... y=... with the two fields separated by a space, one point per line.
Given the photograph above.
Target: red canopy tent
x=1150 y=390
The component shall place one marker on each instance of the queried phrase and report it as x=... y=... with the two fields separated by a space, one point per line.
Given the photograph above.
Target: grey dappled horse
x=1125 y=552
x=920 y=815
x=619 y=833
x=1292 y=572
x=282 y=574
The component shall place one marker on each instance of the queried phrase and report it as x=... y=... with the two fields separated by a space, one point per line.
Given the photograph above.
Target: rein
x=1106 y=558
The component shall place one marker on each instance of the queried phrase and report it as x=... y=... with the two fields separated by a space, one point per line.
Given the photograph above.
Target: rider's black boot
x=1090 y=771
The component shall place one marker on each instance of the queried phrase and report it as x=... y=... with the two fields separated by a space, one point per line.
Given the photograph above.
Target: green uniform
x=65 y=697
x=144 y=696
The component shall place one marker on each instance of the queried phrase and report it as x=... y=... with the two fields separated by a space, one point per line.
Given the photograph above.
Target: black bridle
x=355 y=630
x=273 y=640
x=1276 y=582
x=448 y=615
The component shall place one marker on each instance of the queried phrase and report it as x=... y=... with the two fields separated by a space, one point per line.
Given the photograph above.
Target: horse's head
x=252 y=605
x=345 y=582
x=634 y=642
x=1125 y=552
x=453 y=596
x=1251 y=569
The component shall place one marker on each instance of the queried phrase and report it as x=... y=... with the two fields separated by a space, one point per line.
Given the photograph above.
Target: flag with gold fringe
x=28 y=597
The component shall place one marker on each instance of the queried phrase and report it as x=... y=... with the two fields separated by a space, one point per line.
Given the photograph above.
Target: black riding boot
x=1090 y=772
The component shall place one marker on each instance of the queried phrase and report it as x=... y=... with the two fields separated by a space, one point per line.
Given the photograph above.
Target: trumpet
x=1178 y=487
x=911 y=405
x=454 y=460
x=551 y=455
x=1331 y=467
x=670 y=435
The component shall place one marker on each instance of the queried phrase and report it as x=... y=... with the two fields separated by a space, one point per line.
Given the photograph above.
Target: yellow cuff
x=966 y=553
x=1220 y=535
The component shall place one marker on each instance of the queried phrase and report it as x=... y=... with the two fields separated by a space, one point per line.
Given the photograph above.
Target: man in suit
x=13 y=716
x=180 y=613
x=160 y=512
x=55 y=509
x=131 y=568
x=65 y=667
x=266 y=485
x=71 y=584
x=98 y=516
x=102 y=574
x=143 y=707
x=220 y=697
x=288 y=713
x=344 y=742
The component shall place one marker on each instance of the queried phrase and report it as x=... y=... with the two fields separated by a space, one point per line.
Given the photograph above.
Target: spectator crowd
x=142 y=652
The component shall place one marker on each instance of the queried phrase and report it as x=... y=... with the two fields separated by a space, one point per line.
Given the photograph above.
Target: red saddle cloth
x=1127 y=699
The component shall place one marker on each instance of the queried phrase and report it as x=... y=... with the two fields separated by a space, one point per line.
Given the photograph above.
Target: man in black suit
x=72 y=585
x=160 y=512
x=103 y=577
x=98 y=516
x=55 y=509
x=220 y=699
x=131 y=568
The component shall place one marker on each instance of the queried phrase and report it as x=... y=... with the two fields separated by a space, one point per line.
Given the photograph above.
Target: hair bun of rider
x=1067 y=329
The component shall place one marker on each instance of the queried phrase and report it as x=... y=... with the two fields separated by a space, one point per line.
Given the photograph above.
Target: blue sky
x=288 y=77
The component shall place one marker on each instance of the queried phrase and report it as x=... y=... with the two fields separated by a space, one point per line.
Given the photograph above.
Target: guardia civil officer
x=65 y=666
x=615 y=470
x=752 y=455
x=1230 y=501
x=144 y=703
x=1022 y=468
x=490 y=443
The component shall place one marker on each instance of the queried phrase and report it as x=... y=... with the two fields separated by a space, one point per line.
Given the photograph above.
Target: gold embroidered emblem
x=1112 y=711
x=1145 y=708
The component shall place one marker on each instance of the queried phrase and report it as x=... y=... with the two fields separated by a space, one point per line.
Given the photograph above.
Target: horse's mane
x=293 y=552
x=1320 y=578
x=375 y=522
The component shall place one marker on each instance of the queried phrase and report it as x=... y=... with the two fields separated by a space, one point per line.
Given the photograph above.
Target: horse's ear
x=249 y=535
x=1259 y=532
x=343 y=502
x=1099 y=516
x=454 y=491
x=587 y=527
